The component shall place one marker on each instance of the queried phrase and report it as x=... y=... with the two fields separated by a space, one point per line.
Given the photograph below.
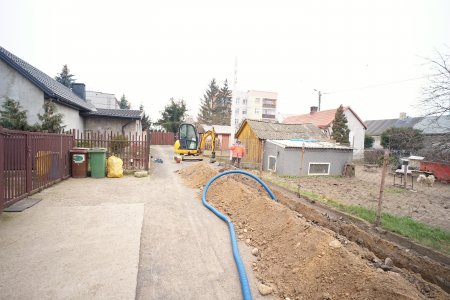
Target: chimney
x=402 y=116
x=313 y=109
x=79 y=89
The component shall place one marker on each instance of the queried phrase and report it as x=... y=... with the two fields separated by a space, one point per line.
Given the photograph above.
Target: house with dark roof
x=254 y=133
x=124 y=121
x=324 y=120
x=376 y=127
x=22 y=82
x=436 y=131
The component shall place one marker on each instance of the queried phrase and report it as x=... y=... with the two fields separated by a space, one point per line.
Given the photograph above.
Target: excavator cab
x=188 y=137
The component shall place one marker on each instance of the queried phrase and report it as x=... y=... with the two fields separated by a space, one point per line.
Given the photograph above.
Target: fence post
x=383 y=177
x=2 y=170
x=147 y=155
x=28 y=160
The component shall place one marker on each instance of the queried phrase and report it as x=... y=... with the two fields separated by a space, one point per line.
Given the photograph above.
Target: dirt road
x=184 y=251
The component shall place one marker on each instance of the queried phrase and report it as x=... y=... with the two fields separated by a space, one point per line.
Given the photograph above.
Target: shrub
x=118 y=144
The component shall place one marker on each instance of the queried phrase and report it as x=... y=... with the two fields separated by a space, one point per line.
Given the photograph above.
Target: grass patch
x=433 y=237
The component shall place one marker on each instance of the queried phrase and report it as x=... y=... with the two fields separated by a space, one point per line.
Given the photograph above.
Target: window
x=244 y=101
x=237 y=111
x=272 y=163
x=236 y=122
x=237 y=100
x=244 y=111
x=257 y=100
x=316 y=168
x=257 y=111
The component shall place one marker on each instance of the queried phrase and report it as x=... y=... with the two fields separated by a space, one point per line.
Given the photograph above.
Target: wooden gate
x=162 y=138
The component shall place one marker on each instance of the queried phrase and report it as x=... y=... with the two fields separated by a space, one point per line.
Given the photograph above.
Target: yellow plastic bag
x=115 y=167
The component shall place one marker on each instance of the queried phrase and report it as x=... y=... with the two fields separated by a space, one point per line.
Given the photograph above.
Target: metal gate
x=31 y=161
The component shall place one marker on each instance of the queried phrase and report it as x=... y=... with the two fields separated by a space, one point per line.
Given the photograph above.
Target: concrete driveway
x=145 y=238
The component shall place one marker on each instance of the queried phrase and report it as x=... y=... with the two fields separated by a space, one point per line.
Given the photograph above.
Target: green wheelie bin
x=97 y=162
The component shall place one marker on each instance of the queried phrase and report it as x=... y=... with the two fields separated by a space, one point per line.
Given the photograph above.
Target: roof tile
x=321 y=119
x=278 y=131
x=116 y=113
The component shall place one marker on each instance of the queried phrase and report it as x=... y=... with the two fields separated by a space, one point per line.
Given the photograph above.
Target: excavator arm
x=210 y=133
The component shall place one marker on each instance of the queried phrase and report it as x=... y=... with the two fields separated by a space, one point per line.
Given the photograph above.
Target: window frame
x=268 y=163
x=319 y=163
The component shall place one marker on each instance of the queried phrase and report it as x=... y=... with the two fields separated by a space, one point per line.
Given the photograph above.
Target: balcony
x=265 y=116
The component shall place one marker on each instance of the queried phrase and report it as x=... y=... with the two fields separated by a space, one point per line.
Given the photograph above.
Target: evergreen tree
x=225 y=98
x=402 y=140
x=12 y=116
x=340 y=128
x=368 y=141
x=124 y=104
x=65 y=77
x=145 y=119
x=209 y=107
x=51 y=121
x=173 y=115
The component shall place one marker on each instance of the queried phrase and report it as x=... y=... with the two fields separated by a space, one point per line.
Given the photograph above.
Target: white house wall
x=71 y=117
x=17 y=87
x=377 y=142
x=31 y=98
x=356 y=135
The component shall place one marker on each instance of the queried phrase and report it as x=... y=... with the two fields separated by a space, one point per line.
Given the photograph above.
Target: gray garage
x=300 y=157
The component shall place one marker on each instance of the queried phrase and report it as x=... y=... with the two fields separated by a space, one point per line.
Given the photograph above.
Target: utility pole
x=233 y=105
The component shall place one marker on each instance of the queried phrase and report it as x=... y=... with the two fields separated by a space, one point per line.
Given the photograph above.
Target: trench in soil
x=363 y=244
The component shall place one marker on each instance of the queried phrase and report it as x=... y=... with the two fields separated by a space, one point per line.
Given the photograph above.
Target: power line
x=376 y=85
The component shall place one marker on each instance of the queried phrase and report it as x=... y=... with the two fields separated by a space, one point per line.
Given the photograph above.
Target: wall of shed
x=289 y=159
x=113 y=124
x=252 y=145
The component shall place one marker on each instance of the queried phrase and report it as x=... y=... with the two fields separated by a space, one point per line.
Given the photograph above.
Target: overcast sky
x=366 y=54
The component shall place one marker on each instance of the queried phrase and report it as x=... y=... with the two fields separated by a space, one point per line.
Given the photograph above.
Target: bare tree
x=435 y=105
x=436 y=94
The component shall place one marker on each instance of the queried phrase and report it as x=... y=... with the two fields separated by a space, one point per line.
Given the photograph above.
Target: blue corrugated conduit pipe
x=246 y=293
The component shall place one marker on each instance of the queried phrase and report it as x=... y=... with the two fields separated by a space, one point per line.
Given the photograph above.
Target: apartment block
x=255 y=105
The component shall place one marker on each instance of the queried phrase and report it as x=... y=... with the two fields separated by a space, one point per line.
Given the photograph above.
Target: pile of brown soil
x=298 y=258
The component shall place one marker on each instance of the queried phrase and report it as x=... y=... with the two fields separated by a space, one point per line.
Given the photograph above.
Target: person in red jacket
x=237 y=153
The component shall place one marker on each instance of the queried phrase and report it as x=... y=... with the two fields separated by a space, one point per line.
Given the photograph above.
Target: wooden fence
x=133 y=149
x=31 y=161
x=162 y=138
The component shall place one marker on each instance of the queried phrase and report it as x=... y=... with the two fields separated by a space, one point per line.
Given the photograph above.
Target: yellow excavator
x=188 y=146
